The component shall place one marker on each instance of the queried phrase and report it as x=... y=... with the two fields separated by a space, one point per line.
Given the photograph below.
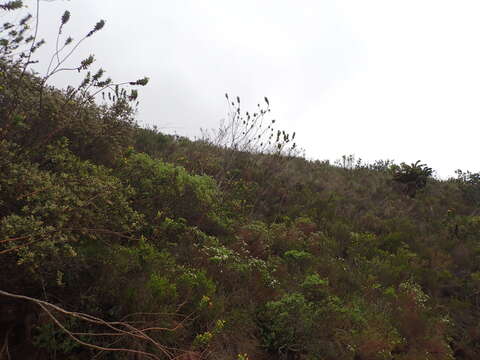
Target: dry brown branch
x=20 y=238
x=104 y=231
x=150 y=314
x=118 y=328
x=17 y=247
x=93 y=346
x=16 y=238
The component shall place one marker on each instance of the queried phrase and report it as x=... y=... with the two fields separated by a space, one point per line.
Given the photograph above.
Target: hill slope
x=121 y=242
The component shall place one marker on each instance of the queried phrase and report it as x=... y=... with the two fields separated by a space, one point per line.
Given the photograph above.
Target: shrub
x=34 y=114
x=287 y=325
x=469 y=184
x=164 y=190
x=414 y=177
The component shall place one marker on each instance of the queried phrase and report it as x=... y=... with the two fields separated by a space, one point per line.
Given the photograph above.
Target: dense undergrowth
x=187 y=249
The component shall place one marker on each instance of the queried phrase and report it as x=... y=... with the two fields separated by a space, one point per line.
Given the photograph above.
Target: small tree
x=414 y=176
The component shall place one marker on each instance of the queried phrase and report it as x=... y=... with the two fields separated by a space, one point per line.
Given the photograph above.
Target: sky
x=379 y=79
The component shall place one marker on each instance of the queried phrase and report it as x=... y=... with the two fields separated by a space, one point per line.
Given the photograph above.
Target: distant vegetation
x=120 y=242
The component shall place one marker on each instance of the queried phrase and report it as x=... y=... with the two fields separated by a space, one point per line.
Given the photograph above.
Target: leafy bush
x=287 y=325
x=164 y=190
x=469 y=184
x=413 y=176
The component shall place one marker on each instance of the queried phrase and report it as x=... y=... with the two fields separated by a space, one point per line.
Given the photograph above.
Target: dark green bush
x=413 y=176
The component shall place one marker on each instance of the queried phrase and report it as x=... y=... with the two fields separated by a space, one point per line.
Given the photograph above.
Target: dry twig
x=117 y=329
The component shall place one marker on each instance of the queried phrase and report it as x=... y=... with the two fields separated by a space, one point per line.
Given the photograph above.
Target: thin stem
x=33 y=41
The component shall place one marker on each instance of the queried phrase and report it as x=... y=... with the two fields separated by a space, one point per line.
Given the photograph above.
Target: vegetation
x=120 y=242
x=414 y=177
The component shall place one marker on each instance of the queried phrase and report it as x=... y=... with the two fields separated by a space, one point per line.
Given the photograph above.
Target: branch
x=20 y=238
x=115 y=326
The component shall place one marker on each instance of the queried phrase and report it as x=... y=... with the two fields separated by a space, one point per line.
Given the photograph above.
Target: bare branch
x=116 y=327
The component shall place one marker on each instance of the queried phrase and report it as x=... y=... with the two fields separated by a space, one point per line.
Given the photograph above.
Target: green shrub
x=414 y=177
x=287 y=325
x=169 y=190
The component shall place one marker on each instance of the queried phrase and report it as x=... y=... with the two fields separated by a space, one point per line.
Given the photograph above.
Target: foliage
x=286 y=324
x=54 y=339
x=469 y=183
x=413 y=176
x=164 y=191
x=235 y=249
x=34 y=114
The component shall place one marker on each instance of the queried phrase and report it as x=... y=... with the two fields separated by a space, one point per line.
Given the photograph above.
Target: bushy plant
x=413 y=176
x=34 y=114
x=469 y=184
x=164 y=190
x=287 y=325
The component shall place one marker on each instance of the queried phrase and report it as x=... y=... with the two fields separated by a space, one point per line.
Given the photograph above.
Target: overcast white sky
x=381 y=79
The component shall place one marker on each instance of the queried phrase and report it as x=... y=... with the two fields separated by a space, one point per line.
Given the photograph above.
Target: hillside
x=120 y=242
